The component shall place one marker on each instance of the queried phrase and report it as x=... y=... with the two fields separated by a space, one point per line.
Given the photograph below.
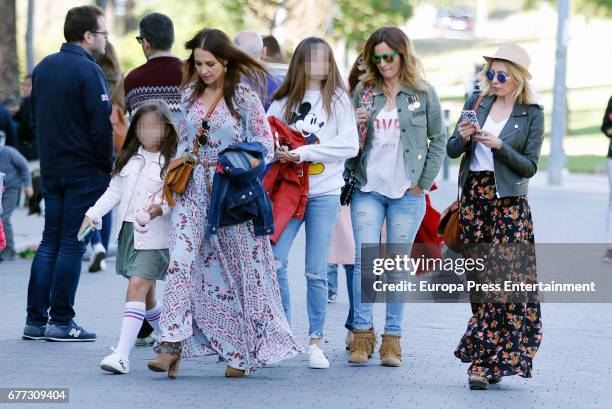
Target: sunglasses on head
x=501 y=76
x=388 y=58
x=203 y=132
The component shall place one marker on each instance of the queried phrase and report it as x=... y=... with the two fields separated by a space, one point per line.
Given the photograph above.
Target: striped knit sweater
x=158 y=79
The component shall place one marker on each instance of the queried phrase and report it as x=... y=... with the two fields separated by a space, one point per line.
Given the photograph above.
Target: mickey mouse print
x=330 y=138
x=308 y=124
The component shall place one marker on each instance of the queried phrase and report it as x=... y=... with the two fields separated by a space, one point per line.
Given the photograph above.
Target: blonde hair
x=411 y=69
x=523 y=94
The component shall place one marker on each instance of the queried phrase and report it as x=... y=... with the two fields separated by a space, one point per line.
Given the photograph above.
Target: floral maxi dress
x=221 y=296
x=501 y=339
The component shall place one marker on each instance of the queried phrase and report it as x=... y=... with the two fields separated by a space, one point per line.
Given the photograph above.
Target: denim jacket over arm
x=422 y=138
x=237 y=193
x=517 y=159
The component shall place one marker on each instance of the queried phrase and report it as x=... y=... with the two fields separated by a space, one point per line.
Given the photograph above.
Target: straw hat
x=513 y=53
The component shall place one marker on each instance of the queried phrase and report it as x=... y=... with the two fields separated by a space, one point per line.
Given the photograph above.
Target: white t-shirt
x=385 y=166
x=483 y=156
x=330 y=139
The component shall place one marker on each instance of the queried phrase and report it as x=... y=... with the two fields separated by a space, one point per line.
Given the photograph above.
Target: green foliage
x=356 y=20
x=603 y=7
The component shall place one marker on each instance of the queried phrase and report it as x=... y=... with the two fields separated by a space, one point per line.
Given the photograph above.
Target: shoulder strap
x=478 y=101
x=196 y=144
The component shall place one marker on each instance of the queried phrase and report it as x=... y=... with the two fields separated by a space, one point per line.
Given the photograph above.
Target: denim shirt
x=517 y=159
x=423 y=137
x=237 y=193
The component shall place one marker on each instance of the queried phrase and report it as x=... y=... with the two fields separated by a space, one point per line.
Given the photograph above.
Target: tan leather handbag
x=179 y=170
x=449 y=226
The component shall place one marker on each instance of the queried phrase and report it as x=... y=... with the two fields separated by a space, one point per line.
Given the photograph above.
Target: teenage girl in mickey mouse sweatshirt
x=313 y=100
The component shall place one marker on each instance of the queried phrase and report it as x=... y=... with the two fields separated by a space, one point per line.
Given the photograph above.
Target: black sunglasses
x=104 y=33
x=203 y=132
x=139 y=39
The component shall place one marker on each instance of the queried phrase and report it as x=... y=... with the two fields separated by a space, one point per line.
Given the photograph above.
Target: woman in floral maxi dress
x=221 y=296
x=501 y=155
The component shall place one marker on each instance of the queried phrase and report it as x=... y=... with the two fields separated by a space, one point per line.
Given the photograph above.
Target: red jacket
x=427 y=242
x=286 y=183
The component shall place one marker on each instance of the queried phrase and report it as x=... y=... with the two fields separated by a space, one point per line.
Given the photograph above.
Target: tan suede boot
x=168 y=359
x=390 y=350
x=362 y=346
x=234 y=373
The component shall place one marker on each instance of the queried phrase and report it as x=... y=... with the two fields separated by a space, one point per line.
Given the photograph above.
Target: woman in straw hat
x=500 y=155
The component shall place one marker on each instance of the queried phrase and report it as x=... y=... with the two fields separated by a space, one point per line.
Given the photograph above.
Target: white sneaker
x=115 y=363
x=97 y=262
x=317 y=357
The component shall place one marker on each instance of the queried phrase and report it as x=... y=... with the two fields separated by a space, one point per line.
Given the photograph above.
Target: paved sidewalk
x=571 y=370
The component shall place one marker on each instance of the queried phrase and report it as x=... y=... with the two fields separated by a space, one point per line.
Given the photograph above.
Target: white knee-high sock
x=152 y=316
x=132 y=321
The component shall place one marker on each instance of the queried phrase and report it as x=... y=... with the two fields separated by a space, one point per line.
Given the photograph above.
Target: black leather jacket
x=517 y=159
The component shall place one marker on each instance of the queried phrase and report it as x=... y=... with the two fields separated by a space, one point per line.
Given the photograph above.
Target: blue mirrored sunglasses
x=501 y=76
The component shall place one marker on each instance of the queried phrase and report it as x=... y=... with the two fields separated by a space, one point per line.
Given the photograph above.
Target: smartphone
x=470 y=116
x=85 y=232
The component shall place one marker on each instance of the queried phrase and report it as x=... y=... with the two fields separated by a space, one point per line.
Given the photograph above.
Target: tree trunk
x=30 y=38
x=9 y=68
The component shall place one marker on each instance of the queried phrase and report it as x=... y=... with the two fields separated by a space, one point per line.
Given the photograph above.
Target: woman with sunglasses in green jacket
x=401 y=155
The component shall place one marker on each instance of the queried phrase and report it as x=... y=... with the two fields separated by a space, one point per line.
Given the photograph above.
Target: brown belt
x=207 y=165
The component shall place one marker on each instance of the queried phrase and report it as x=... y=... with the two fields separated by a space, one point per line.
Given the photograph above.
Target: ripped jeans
x=368 y=212
x=320 y=218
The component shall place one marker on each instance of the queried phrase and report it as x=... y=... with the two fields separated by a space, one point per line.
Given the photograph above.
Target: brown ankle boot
x=362 y=346
x=234 y=373
x=168 y=359
x=390 y=350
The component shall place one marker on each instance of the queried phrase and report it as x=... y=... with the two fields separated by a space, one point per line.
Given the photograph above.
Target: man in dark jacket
x=7 y=127
x=26 y=135
x=71 y=115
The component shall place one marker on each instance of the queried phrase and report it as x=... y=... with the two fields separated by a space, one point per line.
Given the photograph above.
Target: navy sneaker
x=34 y=332
x=68 y=333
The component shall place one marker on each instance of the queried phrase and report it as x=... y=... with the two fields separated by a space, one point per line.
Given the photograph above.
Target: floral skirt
x=501 y=338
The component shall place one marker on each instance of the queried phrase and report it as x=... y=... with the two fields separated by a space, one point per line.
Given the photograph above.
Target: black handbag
x=346 y=194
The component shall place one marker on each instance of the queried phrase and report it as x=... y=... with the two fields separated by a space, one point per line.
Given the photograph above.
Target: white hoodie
x=331 y=139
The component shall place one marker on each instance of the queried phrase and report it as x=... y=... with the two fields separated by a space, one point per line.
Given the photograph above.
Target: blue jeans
x=404 y=216
x=56 y=269
x=332 y=288
x=320 y=218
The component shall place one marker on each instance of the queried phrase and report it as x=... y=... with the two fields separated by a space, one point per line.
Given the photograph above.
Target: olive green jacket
x=517 y=159
x=423 y=137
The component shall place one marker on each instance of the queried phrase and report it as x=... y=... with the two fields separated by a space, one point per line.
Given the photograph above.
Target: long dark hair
x=111 y=67
x=168 y=143
x=357 y=71
x=239 y=65
x=295 y=82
